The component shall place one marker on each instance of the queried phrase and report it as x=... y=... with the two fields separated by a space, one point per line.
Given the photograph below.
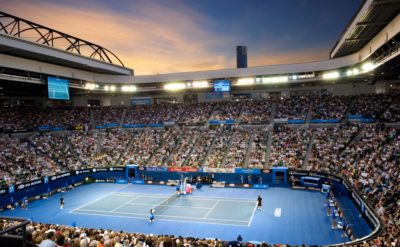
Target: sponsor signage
x=218 y=170
x=182 y=169
x=28 y=184
x=266 y=171
x=154 y=169
x=83 y=171
x=247 y=171
x=3 y=191
x=280 y=120
x=100 y=170
x=116 y=169
x=62 y=175
x=300 y=173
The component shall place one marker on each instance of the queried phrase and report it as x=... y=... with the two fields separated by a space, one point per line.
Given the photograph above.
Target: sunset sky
x=175 y=36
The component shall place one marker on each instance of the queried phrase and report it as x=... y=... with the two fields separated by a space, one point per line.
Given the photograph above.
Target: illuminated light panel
x=200 y=84
x=331 y=75
x=245 y=81
x=128 y=88
x=275 y=79
x=107 y=88
x=351 y=72
x=366 y=67
x=91 y=86
x=175 y=86
x=112 y=88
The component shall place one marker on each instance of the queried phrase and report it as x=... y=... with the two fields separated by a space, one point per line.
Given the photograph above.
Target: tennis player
x=62 y=202
x=151 y=215
x=259 y=202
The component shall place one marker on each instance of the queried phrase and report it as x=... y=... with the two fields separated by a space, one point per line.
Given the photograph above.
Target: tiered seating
x=258 y=150
x=392 y=114
x=143 y=147
x=181 y=152
x=227 y=110
x=218 y=150
x=85 y=145
x=237 y=152
x=330 y=107
x=196 y=114
x=289 y=147
x=371 y=105
x=113 y=144
x=16 y=118
x=292 y=108
x=328 y=144
x=167 y=113
x=19 y=162
x=56 y=148
x=169 y=141
x=75 y=117
x=140 y=114
x=255 y=112
x=199 y=151
x=107 y=114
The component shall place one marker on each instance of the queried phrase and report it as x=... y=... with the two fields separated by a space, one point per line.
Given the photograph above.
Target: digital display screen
x=58 y=88
x=222 y=86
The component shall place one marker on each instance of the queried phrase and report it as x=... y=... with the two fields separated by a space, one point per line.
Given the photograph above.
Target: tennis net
x=162 y=205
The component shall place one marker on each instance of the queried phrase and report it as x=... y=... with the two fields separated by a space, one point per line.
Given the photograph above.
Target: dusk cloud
x=155 y=36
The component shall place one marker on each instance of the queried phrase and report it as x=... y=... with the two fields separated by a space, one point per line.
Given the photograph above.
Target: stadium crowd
x=366 y=154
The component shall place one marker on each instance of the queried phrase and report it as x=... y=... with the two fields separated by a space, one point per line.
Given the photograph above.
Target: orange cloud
x=153 y=39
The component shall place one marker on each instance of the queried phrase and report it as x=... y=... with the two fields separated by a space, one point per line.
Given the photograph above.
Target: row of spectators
x=367 y=155
x=244 y=111
x=371 y=164
x=289 y=146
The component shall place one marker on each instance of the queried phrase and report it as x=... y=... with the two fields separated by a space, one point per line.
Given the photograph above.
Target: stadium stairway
x=344 y=119
x=121 y=121
x=210 y=148
x=127 y=148
x=174 y=149
x=193 y=144
x=92 y=122
x=353 y=140
x=309 y=151
x=162 y=144
x=228 y=147
x=248 y=151
x=69 y=145
x=99 y=140
x=309 y=114
x=268 y=151
x=38 y=150
x=272 y=116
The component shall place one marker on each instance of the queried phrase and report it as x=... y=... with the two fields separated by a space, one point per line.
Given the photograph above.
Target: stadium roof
x=369 y=20
x=23 y=38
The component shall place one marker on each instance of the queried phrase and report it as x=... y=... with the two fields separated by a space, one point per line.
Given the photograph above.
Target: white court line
x=222 y=199
x=141 y=194
x=211 y=209
x=254 y=210
x=96 y=200
x=174 y=216
x=183 y=221
x=123 y=204
x=190 y=197
x=168 y=206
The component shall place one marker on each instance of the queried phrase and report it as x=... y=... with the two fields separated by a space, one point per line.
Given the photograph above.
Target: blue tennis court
x=287 y=216
x=223 y=211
